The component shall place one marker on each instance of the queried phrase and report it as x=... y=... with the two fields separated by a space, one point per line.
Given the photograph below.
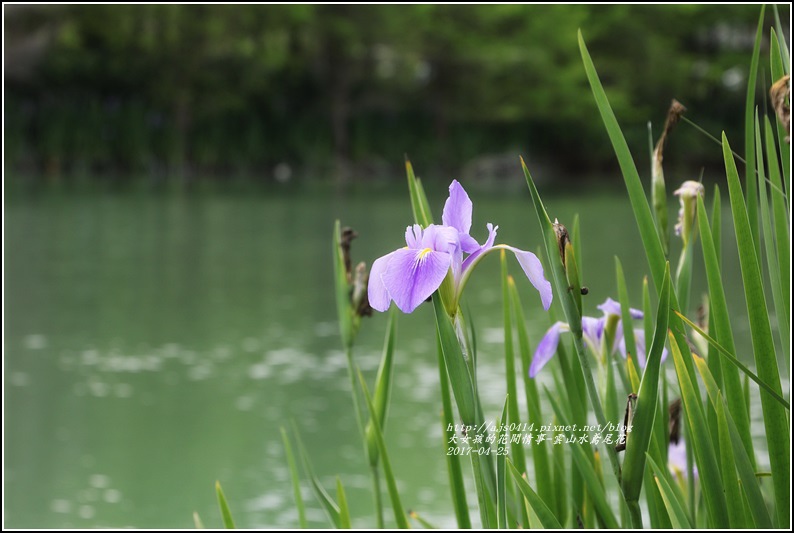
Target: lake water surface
x=155 y=343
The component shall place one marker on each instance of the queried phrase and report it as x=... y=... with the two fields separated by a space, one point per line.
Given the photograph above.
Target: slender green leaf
x=583 y=459
x=683 y=275
x=716 y=225
x=419 y=203
x=510 y=368
x=719 y=319
x=567 y=294
x=501 y=496
x=775 y=421
x=733 y=490
x=540 y=456
x=772 y=265
x=566 y=504
x=623 y=297
x=454 y=468
x=594 y=488
x=779 y=63
x=296 y=483
x=391 y=483
x=733 y=359
x=344 y=511
x=675 y=507
x=639 y=202
x=428 y=214
x=577 y=243
x=197 y=521
x=544 y=514
x=647 y=317
x=710 y=479
x=782 y=234
x=228 y=522
x=342 y=285
x=645 y=411
x=749 y=142
x=459 y=376
x=328 y=504
x=713 y=262
x=516 y=449
x=383 y=383
x=484 y=498
x=749 y=481
x=784 y=54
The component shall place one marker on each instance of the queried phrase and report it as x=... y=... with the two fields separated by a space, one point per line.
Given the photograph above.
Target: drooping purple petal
x=457 y=209
x=379 y=298
x=534 y=271
x=484 y=248
x=413 y=275
x=546 y=348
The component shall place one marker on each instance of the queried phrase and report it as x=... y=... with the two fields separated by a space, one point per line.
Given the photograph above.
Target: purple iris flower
x=593 y=335
x=408 y=276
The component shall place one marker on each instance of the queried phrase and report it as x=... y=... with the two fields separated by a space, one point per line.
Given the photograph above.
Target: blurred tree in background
x=342 y=92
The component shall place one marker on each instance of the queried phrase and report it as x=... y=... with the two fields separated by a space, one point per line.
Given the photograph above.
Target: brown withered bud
x=348 y=234
x=779 y=93
x=673 y=116
x=628 y=418
x=674 y=411
x=702 y=317
x=562 y=239
x=359 y=297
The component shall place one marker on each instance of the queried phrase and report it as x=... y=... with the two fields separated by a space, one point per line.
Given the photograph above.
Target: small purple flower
x=593 y=335
x=408 y=276
x=676 y=460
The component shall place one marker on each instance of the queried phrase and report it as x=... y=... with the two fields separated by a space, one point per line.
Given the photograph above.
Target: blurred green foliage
x=344 y=91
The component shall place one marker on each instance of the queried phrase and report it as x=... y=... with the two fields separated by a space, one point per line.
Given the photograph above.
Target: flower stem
x=376 y=492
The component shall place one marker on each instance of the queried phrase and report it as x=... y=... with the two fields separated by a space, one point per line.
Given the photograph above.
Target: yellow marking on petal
x=424 y=252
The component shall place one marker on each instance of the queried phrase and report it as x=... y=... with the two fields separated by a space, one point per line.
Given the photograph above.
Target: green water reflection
x=155 y=343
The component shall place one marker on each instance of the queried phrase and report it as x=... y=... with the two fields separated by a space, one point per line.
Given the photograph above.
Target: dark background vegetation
x=331 y=92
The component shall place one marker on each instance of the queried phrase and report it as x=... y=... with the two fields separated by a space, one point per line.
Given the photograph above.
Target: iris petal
x=484 y=248
x=639 y=340
x=439 y=238
x=534 y=271
x=468 y=243
x=546 y=348
x=379 y=298
x=611 y=307
x=593 y=329
x=411 y=276
x=413 y=236
x=457 y=209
